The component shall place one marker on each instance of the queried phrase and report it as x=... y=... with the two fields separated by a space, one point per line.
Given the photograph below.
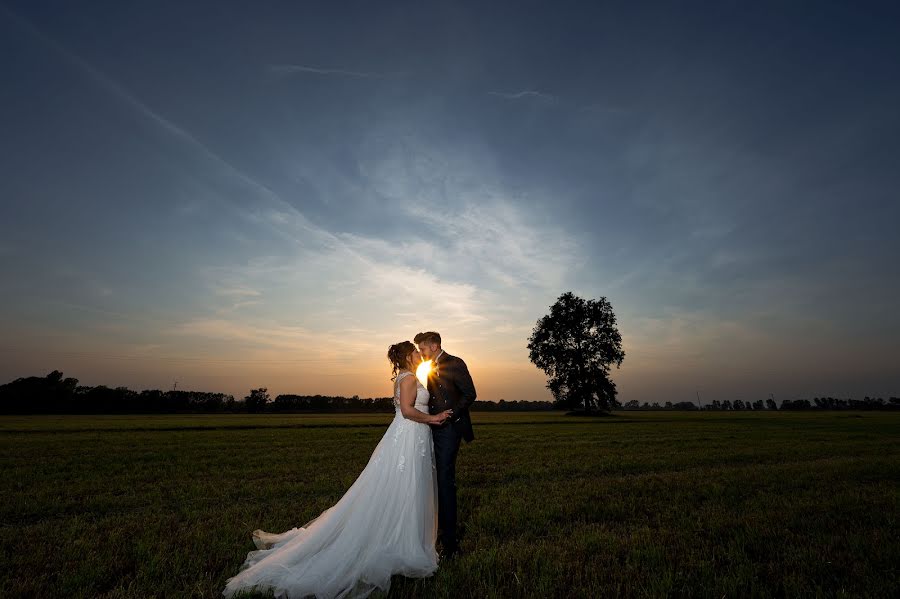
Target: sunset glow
x=422 y=372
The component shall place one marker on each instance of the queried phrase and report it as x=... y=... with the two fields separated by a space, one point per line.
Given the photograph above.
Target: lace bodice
x=422 y=394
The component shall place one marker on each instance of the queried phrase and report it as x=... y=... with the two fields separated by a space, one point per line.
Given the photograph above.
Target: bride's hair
x=398 y=355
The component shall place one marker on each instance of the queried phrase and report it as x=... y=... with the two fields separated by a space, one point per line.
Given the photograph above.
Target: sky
x=233 y=195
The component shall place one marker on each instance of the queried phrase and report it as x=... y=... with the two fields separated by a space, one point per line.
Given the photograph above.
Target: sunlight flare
x=422 y=372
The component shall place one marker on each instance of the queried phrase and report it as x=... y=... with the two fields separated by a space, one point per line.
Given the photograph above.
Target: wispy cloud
x=488 y=231
x=524 y=95
x=237 y=291
x=467 y=225
x=239 y=297
x=219 y=165
x=288 y=69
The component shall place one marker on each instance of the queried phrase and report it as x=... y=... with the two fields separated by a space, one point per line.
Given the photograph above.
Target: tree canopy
x=575 y=345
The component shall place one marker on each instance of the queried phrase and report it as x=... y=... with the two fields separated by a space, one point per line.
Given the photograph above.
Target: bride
x=385 y=523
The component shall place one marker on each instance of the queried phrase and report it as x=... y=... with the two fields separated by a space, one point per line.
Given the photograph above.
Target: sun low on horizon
x=422 y=372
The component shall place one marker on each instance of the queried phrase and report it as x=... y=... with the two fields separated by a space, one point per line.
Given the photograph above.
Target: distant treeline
x=54 y=394
x=818 y=403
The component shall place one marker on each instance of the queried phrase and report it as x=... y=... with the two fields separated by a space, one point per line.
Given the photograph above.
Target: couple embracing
x=389 y=519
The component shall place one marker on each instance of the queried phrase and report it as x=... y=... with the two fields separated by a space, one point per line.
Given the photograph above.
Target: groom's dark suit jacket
x=451 y=388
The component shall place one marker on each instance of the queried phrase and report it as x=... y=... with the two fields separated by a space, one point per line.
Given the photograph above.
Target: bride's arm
x=408 y=401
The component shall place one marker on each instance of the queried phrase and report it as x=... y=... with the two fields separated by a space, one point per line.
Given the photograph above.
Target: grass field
x=641 y=504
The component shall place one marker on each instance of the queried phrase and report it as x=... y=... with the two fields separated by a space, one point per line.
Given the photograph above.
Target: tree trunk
x=585 y=397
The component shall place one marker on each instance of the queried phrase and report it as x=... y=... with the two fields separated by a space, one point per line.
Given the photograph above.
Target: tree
x=575 y=345
x=685 y=405
x=257 y=400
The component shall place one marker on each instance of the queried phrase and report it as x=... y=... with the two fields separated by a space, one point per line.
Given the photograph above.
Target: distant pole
x=699 y=405
x=175 y=385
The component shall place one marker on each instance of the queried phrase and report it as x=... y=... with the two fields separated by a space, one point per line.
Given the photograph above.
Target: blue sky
x=235 y=194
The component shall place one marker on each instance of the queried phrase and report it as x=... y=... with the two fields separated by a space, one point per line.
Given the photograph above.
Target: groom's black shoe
x=451 y=552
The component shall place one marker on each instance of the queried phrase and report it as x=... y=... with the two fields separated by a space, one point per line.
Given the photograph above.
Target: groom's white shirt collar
x=438 y=356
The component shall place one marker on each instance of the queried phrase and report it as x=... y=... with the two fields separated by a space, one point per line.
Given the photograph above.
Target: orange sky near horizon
x=661 y=364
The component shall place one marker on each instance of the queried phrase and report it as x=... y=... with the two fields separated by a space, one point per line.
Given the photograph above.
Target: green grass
x=642 y=504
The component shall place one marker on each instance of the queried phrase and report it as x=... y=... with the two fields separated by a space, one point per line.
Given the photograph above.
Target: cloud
x=219 y=165
x=469 y=274
x=278 y=337
x=238 y=291
x=288 y=69
x=524 y=95
x=463 y=221
x=490 y=234
x=464 y=267
x=354 y=283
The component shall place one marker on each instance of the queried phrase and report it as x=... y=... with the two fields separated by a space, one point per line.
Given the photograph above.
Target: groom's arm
x=465 y=385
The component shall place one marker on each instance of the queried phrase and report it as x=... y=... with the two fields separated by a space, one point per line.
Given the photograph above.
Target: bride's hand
x=440 y=418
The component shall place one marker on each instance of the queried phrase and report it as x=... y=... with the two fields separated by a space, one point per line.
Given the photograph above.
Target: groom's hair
x=427 y=337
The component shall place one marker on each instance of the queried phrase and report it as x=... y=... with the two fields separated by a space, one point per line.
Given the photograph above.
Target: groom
x=451 y=388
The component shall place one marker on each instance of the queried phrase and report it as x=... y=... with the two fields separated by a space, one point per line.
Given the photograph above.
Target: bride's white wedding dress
x=385 y=524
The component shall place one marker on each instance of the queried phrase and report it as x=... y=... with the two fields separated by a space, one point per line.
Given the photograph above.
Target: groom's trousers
x=446 y=447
